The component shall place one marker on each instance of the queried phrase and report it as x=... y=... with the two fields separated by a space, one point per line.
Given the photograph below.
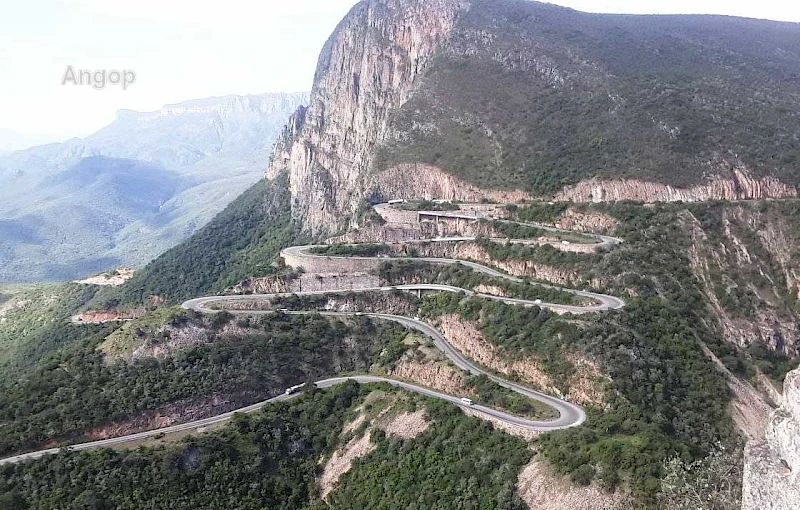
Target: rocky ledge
x=739 y=184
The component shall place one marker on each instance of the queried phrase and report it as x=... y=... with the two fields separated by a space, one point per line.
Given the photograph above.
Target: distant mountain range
x=11 y=140
x=133 y=189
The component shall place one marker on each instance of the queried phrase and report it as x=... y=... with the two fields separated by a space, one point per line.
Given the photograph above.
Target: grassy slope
x=36 y=322
x=597 y=95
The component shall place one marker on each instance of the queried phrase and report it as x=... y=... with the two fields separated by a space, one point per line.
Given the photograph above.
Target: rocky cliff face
x=742 y=255
x=736 y=184
x=772 y=466
x=450 y=98
x=367 y=68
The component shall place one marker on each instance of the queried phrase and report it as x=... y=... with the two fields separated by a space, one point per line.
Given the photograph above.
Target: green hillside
x=242 y=241
x=555 y=96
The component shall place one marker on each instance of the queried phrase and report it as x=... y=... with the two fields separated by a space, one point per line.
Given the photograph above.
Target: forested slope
x=241 y=242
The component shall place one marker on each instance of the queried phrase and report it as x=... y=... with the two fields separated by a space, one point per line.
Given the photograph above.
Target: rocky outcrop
x=474 y=251
x=749 y=408
x=166 y=415
x=739 y=184
x=372 y=233
x=104 y=316
x=307 y=283
x=407 y=425
x=341 y=461
x=433 y=374
x=113 y=278
x=367 y=68
x=542 y=489
x=748 y=252
x=421 y=181
x=586 y=386
x=772 y=466
x=593 y=222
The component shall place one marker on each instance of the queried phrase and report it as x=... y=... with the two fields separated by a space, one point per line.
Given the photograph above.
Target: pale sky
x=188 y=49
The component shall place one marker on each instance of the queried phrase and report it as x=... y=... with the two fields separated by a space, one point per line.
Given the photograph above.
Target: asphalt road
x=603 y=240
x=604 y=301
x=570 y=415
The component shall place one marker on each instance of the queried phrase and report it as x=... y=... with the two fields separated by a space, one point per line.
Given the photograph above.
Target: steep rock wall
x=366 y=69
x=735 y=184
x=749 y=253
x=422 y=181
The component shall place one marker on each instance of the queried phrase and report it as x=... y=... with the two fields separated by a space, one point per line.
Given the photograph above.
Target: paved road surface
x=605 y=302
x=570 y=415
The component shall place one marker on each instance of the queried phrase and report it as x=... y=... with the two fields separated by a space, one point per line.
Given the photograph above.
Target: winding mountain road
x=605 y=302
x=570 y=415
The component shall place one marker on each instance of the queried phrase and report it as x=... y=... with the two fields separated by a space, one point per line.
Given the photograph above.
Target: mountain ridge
x=559 y=103
x=214 y=147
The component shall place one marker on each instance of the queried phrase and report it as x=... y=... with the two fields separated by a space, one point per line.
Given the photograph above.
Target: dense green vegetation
x=493 y=395
x=516 y=230
x=774 y=364
x=654 y=261
x=429 y=205
x=36 y=322
x=557 y=96
x=74 y=389
x=241 y=242
x=519 y=331
x=544 y=253
x=457 y=275
x=351 y=250
x=538 y=212
x=460 y=463
x=270 y=460
x=666 y=397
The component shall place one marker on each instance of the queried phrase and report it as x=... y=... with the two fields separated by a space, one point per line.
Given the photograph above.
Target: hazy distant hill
x=133 y=189
x=10 y=140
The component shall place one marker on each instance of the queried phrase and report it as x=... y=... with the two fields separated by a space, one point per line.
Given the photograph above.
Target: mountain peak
x=223 y=105
x=414 y=96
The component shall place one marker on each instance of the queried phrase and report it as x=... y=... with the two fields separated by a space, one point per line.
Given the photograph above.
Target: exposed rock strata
x=520 y=268
x=433 y=374
x=585 y=387
x=422 y=181
x=164 y=416
x=739 y=185
x=372 y=233
x=306 y=283
x=578 y=221
x=744 y=256
x=367 y=69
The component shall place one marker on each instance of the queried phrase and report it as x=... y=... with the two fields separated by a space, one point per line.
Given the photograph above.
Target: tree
x=711 y=483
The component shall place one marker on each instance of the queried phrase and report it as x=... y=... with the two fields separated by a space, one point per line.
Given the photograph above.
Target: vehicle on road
x=294 y=389
x=466 y=401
